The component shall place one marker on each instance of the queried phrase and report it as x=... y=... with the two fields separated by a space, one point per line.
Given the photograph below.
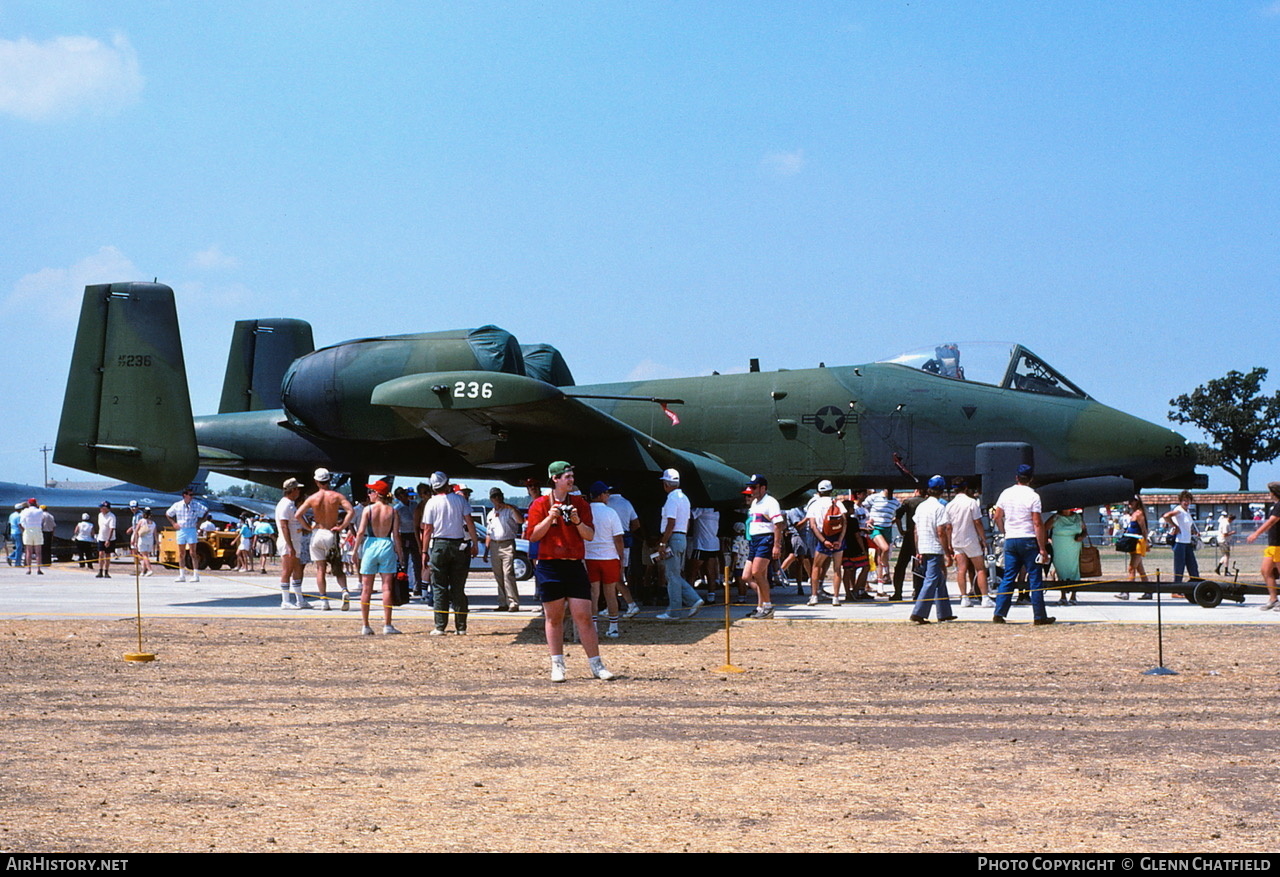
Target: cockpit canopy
x=1011 y=367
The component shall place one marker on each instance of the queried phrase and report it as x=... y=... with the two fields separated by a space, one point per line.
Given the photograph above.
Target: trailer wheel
x=1207 y=594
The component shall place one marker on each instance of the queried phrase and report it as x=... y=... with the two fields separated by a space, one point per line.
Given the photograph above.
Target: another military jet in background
x=477 y=403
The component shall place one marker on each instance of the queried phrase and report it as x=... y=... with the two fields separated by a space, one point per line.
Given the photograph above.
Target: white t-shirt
x=677 y=507
x=962 y=511
x=1183 y=521
x=608 y=525
x=705 y=535
x=761 y=514
x=1018 y=503
x=930 y=515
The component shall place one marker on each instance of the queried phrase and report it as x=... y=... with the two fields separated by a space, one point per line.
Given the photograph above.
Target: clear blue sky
x=656 y=188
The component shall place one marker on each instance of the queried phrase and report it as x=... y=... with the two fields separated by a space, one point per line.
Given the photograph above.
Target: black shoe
x=948 y=618
x=1048 y=619
x=1146 y=596
x=919 y=620
x=997 y=619
x=501 y=608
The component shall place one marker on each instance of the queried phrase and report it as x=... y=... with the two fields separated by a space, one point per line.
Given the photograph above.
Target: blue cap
x=598 y=488
x=937 y=482
x=1025 y=471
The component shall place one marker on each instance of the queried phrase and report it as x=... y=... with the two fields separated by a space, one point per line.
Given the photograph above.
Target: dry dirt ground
x=297 y=736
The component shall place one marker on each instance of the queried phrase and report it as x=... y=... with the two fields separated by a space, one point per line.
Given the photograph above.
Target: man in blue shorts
x=184 y=516
x=379 y=532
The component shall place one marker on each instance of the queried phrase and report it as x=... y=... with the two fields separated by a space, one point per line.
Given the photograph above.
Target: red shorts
x=606 y=572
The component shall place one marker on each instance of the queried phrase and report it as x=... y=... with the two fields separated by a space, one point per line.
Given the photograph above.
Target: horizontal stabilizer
x=126 y=413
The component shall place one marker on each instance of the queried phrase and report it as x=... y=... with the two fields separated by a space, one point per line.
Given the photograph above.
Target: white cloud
x=66 y=75
x=784 y=164
x=55 y=293
x=648 y=370
x=1271 y=10
x=213 y=257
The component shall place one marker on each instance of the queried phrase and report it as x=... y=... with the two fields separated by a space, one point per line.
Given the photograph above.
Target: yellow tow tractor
x=216 y=549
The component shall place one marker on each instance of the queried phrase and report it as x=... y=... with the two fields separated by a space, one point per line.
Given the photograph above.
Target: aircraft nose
x=1152 y=455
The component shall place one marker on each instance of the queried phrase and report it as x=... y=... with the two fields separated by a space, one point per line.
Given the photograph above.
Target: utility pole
x=45 y=450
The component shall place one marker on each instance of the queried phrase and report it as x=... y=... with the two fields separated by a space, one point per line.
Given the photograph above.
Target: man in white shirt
x=764 y=541
x=1017 y=515
x=446 y=529
x=672 y=546
x=32 y=520
x=933 y=548
x=825 y=520
x=969 y=544
x=604 y=555
x=1184 y=549
x=289 y=545
x=502 y=526
x=106 y=538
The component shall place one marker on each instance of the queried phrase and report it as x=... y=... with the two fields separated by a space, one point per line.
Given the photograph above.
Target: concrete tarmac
x=64 y=591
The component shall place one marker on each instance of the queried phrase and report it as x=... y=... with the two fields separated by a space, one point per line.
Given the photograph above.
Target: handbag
x=1090 y=562
x=1126 y=544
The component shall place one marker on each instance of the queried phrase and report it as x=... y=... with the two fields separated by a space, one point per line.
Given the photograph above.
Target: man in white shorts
x=330 y=514
x=969 y=544
x=289 y=546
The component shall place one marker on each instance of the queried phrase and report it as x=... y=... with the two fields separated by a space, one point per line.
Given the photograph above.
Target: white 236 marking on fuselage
x=472 y=390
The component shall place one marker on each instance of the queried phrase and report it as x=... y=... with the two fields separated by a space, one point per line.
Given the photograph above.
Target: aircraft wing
x=505 y=421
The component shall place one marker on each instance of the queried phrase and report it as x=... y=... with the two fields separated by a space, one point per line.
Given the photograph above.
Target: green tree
x=1243 y=425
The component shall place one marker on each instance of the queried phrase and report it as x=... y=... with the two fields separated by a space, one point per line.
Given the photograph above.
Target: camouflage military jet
x=476 y=403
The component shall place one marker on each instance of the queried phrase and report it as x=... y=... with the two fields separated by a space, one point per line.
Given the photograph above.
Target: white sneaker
x=196 y=577
x=696 y=608
x=599 y=670
x=633 y=610
x=324 y=603
x=286 y=603
x=182 y=577
x=1270 y=604
x=813 y=601
x=988 y=603
x=557 y=668
x=303 y=603
x=388 y=630
x=613 y=633
x=966 y=603
x=1123 y=595
x=603 y=613
x=667 y=616
x=346 y=602
x=366 y=631
x=435 y=631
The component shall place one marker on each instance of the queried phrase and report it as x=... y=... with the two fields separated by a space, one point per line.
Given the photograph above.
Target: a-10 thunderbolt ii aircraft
x=478 y=404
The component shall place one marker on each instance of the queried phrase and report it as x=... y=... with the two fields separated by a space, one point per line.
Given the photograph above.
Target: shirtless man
x=325 y=525
x=382 y=553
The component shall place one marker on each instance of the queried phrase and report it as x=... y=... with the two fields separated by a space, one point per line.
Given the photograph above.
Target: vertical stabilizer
x=127 y=413
x=261 y=353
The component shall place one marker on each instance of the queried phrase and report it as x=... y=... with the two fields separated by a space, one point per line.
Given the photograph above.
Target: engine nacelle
x=328 y=392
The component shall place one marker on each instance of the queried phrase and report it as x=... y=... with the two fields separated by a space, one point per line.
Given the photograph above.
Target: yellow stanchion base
x=140 y=657
x=730 y=668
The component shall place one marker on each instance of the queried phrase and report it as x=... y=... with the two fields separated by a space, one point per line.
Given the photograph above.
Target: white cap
x=322 y=474
x=825 y=486
x=438 y=480
x=671 y=476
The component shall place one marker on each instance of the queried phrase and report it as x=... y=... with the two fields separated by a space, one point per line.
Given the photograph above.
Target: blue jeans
x=1184 y=558
x=1021 y=554
x=934 y=590
x=679 y=592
